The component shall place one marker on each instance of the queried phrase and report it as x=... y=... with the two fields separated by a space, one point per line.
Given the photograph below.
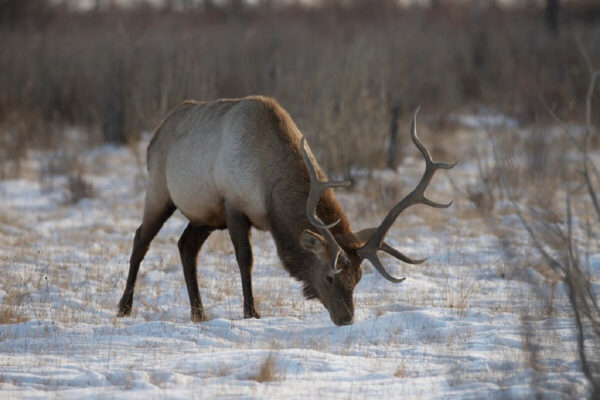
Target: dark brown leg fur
x=239 y=230
x=143 y=236
x=189 y=245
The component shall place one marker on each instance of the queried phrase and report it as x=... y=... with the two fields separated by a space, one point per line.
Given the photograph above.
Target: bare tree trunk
x=552 y=7
x=392 y=161
x=237 y=6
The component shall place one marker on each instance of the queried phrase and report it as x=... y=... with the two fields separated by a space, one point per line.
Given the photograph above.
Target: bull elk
x=242 y=163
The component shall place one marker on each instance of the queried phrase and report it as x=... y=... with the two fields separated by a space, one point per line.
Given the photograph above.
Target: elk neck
x=287 y=220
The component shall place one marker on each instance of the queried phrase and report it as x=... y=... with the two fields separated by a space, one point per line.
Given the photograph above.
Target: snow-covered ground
x=454 y=329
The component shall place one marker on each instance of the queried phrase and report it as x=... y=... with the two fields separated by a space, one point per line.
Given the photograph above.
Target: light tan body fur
x=230 y=148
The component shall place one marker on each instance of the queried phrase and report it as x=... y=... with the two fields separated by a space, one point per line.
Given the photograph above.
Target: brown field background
x=338 y=69
x=350 y=74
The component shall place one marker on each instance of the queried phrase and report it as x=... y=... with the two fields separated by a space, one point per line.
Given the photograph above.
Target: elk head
x=336 y=259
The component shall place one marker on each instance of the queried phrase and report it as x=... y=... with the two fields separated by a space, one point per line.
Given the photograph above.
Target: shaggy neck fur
x=288 y=220
x=288 y=196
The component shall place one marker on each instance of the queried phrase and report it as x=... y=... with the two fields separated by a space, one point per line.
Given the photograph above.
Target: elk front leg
x=239 y=230
x=189 y=245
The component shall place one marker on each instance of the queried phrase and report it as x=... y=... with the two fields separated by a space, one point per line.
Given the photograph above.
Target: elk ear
x=313 y=242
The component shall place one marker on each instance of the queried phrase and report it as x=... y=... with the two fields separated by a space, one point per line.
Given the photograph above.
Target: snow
x=453 y=329
x=486 y=120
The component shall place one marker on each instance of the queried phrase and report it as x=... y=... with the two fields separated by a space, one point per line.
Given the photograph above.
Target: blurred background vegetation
x=80 y=73
x=346 y=71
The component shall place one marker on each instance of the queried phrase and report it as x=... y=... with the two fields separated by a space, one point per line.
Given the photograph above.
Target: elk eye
x=329 y=279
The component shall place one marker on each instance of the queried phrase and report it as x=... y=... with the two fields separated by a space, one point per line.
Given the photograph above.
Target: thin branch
x=588 y=102
x=592 y=192
x=595 y=170
x=588 y=163
x=569 y=210
x=585 y=367
x=562 y=125
x=585 y=56
x=551 y=261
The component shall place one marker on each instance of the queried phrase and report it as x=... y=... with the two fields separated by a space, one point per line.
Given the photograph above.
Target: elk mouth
x=345 y=320
x=341 y=316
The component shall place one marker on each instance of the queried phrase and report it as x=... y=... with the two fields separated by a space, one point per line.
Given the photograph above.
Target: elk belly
x=242 y=191
x=190 y=180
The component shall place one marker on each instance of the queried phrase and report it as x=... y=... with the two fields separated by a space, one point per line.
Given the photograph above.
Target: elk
x=242 y=163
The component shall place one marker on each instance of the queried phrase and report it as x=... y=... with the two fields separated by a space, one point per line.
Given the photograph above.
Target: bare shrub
x=267 y=371
x=18 y=133
x=401 y=370
x=61 y=166
x=79 y=188
x=11 y=308
x=484 y=192
x=10 y=315
x=338 y=70
x=222 y=369
x=11 y=153
x=456 y=294
x=562 y=236
x=383 y=192
x=19 y=13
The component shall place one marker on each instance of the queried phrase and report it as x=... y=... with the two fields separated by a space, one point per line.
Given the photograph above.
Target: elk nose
x=345 y=320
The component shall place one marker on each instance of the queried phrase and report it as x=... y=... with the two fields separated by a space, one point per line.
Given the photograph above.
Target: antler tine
x=364 y=234
x=379 y=267
x=395 y=253
x=417 y=196
x=317 y=187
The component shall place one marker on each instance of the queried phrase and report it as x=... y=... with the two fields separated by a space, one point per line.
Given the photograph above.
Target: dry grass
x=401 y=370
x=11 y=311
x=222 y=369
x=11 y=315
x=218 y=242
x=79 y=187
x=267 y=371
x=456 y=294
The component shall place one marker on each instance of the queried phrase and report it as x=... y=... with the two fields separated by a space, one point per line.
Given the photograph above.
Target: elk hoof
x=124 y=310
x=198 y=315
x=251 y=314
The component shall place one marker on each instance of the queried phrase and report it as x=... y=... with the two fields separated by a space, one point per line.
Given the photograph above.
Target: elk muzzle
x=341 y=312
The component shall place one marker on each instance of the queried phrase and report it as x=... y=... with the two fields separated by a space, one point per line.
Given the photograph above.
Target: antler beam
x=317 y=188
x=376 y=241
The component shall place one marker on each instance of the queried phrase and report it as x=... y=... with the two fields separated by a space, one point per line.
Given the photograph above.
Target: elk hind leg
x=151 y=224
x=239 y=230
x=189 y=245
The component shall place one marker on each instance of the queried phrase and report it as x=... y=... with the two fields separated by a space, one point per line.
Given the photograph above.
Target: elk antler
x=317 y=187
x=417 y=196
x=364 y=235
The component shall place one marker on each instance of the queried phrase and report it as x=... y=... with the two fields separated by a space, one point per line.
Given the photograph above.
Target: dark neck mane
x=288 y=219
